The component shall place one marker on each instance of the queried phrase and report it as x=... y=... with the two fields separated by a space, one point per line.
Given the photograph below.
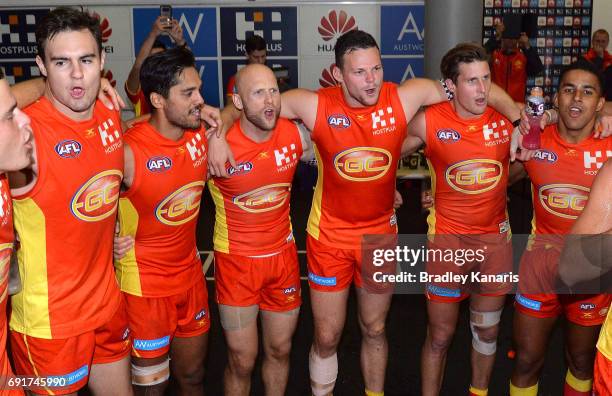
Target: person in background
x=255 y=51
x=601 y=58
x=150 y=46
x=512 y=60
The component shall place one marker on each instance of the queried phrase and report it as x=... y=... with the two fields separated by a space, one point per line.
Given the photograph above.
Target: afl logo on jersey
x=264 y=199
x=181 y=206
x=474 y=176
x=240 y=169
x=546 y=156
x=97 y=199
x=68 y=148
x=363 y=163
x=448 y=135
x=159 y=164
x=339 y=121
x=564 y=200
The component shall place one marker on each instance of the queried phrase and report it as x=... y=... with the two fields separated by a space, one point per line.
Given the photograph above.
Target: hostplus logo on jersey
x=594 y=160
x=110 y=135
x=196 y=150
x=159 y=164
x=338 y=121
x=448 y=135
x=5 y=207
x=546 y=156
x=495 y=133
x=286 y=157
x=68 y=148
x=383 y=121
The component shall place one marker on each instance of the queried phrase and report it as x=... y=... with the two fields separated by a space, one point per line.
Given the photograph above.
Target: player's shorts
x=602 y=376
x=154 y=322
x=582 y=309
x=271 y=282
x=8 y=385
x=537 y=297
x=461 y=265
x=331 y=269
x=69 y=360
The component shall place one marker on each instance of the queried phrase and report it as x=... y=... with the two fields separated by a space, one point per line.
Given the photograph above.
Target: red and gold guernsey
x=561 y=175
x=357 y=150
x=66 y=223
x=468 y=163
x=160 y=210
x=252 y=205
x=7 y=237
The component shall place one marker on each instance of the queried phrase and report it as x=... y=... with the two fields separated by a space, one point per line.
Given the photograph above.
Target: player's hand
x=176 y=32
x=109 y=96
x=517 y=151
x=550 y=117
x=426 y=199
x=397 y=200
x=211 y=116
x=219 y=153
x=603 y=126
x=121 y=244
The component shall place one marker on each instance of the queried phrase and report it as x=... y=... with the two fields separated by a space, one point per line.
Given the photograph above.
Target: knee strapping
x=151 y=375
x=323 y=373
x=237 y=318
x=483 y=320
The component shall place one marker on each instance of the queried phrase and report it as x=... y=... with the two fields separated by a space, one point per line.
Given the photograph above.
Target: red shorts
x=582 y=309
x=537 y=297
x=331 y=269
x=271 y=282
x=602 y=376
x=466 y=273
x=69 y=360
x=154 y=322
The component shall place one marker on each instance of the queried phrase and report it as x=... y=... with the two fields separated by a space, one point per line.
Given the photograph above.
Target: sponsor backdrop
x=563 y=32
x=300 y=38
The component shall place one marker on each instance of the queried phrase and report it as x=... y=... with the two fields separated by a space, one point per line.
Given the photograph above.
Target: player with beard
x=15 y=154
x=465 y=131
x=69 y=319
x=562 y=170
x=358 y=129
x=256 y=266
x=161 y=274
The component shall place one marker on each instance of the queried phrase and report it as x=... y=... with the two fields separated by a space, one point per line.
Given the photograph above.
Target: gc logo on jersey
x=564 y=200
x=97 y=199
x=339 y=121
x=363 y=163
x=474 y=176
x=264 y=199
x=546 y=156
x=448 y=135
x=68 y=148
x=159 y=164
x=181 y=206
x=241 y=168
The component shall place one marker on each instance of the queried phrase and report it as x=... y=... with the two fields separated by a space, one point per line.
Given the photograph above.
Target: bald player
x=256 y=267
x=358 y=129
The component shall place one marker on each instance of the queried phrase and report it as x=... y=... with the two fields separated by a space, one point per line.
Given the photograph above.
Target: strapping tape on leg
x=323 y=373
x=237 y=318
x=483 y=320
x=151 y=375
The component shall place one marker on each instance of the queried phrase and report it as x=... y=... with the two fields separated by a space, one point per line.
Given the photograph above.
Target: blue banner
x=402 y=30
